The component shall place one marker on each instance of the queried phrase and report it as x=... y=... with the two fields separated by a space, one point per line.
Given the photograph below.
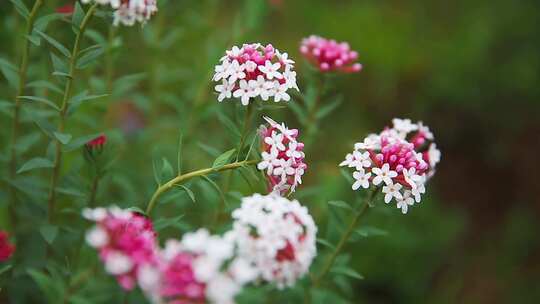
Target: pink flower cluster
x=399 y=159
x=128 y=12
x=282 y=157
x=329 y=55
x=126 y=242
x=255 y=71
x=6 y=248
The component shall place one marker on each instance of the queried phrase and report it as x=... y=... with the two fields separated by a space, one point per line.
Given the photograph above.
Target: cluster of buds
x=399 y=159
x=282 y=157
x=6 y=248
x=272 y=239
x=275 y=235
x=128 y=12
x=329 y=55
x=255 y=70
x=126 y=242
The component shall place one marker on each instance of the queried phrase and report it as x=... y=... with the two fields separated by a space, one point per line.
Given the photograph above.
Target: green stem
x=16 y=111
x=93 y=192
x=63 y=109
x=182 y=178
x=345 y=237
x=247 y=123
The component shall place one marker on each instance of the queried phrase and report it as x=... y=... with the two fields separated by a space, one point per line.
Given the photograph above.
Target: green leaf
x=41 y=100
x=218 y=189
x=167 y=171
x=61 y=74
x=21 y=8
x=11 y=76
x=340 y=204
x=44 y=84
x=369 y=231
x=136 y=210
x=347 y=175
x=229 y=124
x=42 y=22
x=223 y=159
x=326 y=243
x=36 y=163
x=329 y=107
x=34 y=39
x=88 y=58
x=49 y=233
x=77 y=100
x=300 y=113
x=208 y=149
x=59 y=64
x=163 y=223
x=78 y=15
x=62 y=49
x=179 y=156
x=347 y=272
x=188 y=191
x=45 y=126
x=5 y=268
x=62 y=137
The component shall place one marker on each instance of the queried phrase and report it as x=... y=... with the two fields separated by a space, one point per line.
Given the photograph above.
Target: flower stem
x=247 y=123
x=182 y=178
x=17 y=108
x=63 y=109
x=345 y=237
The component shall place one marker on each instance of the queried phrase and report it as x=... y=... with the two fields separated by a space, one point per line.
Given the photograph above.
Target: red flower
x=97 y=142
x=65 y=9
x=6 y=249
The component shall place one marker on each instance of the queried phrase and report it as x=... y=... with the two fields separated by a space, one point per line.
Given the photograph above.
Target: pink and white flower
x=276 y=236
x=254 y=71
x=282 y=157
x=329 y=55
x=128 y=12
x=399 y=160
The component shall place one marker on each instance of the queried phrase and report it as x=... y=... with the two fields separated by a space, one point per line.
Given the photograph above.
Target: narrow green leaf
x=167 y=171
x=45 y=126
x=188 y=191
x=326 y=243
x=157 y=175
x=21 y=8
x=369 y=231
x=208 y=149
x=44 y=84
x=300 y=113
x=78 y=15
x=329 y=107
x=62 y=137
x=218 y=189
x=11 y=76
x=36 y=163
x=136 y=210
x=340 y=204
x=223 y=159
x=347 y=272
x=347 y=175
x=62 y=49
x=34 y=39
x=41 y=100
x=49 y=233
x=88 y=58
x=79 y=142
x=179 y=156
x=61 y=74
x=163 y=223
x=42 y=22
x=229 y=124
x=59 y=64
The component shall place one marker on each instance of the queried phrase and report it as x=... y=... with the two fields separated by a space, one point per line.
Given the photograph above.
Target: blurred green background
x=468 y=69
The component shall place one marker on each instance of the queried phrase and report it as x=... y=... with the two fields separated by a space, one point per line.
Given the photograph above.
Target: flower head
x=282 y=157
x=254 y=71
x=128 y=12
x=6 y=248
x=399 y=160
x=276 y=236
x=126 y=242
x=329 y=55
x=97 y=143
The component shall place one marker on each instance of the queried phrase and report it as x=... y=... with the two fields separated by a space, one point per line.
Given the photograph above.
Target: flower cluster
x=277 y=236
x=255 y=70
x=329 y=55
x=6 y=248
x=272 y=239
x=400 y=159
x=125 y=240
x=128 y=12
x=282 y=157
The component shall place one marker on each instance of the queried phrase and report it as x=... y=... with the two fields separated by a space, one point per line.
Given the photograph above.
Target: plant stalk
x=345 y=237
x=182 y=178
x=17 y=108
x=63 y=110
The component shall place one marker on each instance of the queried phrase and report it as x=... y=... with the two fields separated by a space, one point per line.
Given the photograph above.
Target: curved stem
x=345 y=237
x=16 y=110
x=182 y=178
x=64 y=107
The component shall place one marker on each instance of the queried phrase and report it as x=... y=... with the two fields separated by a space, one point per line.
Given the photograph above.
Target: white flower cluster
x=282 y=157
x=399 y=159
x=276 y=236
x=255 y=70
x=128 y=12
